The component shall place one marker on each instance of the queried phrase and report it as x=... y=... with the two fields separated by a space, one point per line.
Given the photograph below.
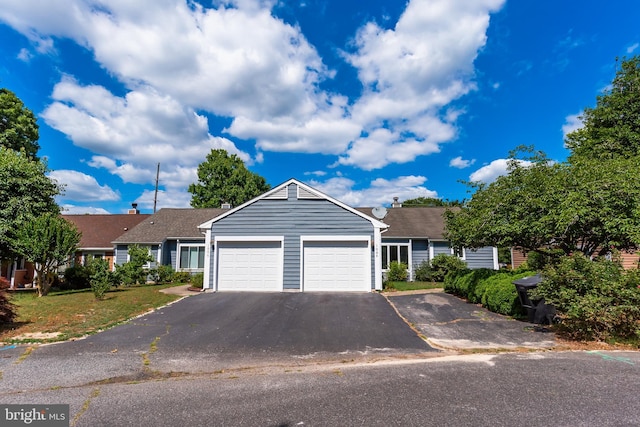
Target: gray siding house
x=416 y=234
x=295 y=238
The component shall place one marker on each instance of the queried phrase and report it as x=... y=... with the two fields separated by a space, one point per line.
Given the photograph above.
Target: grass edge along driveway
x=73 y=314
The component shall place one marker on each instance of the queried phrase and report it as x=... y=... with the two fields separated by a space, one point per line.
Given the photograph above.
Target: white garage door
x=337 y=266
x=250 y=266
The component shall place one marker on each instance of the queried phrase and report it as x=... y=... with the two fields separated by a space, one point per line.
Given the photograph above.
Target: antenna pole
x=155 y=196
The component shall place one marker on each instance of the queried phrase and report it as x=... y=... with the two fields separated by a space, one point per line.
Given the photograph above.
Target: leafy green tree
x=612 y=127
x=49 y=241
x=223 y=178
x=25 y=193
x=517 y=209
x=18 y=127
x=101 y=278
x=133 y=271
x=431 y=202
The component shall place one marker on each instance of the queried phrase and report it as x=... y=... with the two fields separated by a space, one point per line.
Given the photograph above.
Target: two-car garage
x=327 y=265
x=293 y=238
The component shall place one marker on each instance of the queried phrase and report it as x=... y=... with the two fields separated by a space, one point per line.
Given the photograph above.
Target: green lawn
x=412 y=286
x=78 y=313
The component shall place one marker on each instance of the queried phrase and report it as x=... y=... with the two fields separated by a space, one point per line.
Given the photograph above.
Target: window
x=459 y=251
x=392 y=253
x=191 y=257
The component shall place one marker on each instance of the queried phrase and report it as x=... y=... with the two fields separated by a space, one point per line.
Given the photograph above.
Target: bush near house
x=493 y=289
x=595 y=300
x=443 y=264
x=76 y=277
x=397 y=272
x=7 y=310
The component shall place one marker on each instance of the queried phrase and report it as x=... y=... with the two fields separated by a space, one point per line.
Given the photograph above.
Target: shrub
x=397 y=272
x=442 y=264
x=197 y=280
x=538 y=260
x=7 y=309
x=423 y=273
x=101 y=278
x=133 y=271
x=181 y=276
x=76 y=277
x=595 y=300
x=165 y=273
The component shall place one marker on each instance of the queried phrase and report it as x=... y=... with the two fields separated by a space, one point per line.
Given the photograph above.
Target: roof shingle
x=99 y=231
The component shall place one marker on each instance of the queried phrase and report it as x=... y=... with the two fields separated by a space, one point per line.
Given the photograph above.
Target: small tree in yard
x=48 y=241
x=133 y=271
x=101 y=278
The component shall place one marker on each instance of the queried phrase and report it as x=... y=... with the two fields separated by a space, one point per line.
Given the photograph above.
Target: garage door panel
x=337 y=266
x=250 y=266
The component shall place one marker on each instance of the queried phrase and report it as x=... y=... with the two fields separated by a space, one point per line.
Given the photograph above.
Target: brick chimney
x=134 y=209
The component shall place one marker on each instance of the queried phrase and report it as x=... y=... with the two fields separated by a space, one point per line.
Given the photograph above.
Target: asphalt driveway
x=452 y=323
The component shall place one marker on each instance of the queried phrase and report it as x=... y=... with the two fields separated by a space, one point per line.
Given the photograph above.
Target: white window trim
x=148 y=264
x=464 y=253
x=325 y=238
x=83 y=259
x=385 y=246
x=190 y=245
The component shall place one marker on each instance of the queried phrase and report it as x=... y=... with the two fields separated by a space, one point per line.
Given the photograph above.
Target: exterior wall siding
x=293 y=218
x=121 y=254
x=480 y=258
x=419 y=252
x=441 y=248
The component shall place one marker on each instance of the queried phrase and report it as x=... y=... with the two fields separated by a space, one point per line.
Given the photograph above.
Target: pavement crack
x=153 y=347
x=85 y=406
x=24 y=355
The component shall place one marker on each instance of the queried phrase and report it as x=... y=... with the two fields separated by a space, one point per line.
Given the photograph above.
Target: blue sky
x=362 y=100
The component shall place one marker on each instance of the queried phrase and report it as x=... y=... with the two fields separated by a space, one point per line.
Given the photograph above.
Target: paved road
x=561 y=389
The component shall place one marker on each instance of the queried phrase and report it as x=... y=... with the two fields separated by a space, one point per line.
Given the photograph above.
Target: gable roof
x=99 y=231
x=376 y=223
x=414 y=222
x=170 y=223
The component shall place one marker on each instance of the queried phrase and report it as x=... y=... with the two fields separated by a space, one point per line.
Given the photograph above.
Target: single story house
x=99 y=231
x=416 y=235
x=294 y=238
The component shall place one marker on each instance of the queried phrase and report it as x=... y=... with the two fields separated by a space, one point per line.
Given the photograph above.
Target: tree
x=18 y=127
x=25 y=193
x=431 y=202
x=612 y=128
x=49 y=241
x=223 y=178
x=586 y=207
x=133 y=271
x=517 y=209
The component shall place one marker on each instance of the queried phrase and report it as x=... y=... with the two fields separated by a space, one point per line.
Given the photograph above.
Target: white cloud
x=571 y=123
x=493 y=170
x=82 y=210
x=237 y=60
x=80 y=187
x=24 y=55
x=380 y=191
x=166 y=199
x=410 y=73
x=460 y=163
x=633 y=48
x=131 y=135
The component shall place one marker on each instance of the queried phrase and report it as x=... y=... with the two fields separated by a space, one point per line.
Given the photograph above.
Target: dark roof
x=413 y=222
x=170 y=223
x=99 y=231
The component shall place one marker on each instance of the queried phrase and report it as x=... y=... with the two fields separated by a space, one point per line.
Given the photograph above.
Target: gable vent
x=306 y=194
x=281 y=194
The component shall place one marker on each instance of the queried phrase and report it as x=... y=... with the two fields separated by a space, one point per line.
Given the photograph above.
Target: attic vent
x=306 y=194
x=226 y=206
x=281 y=194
